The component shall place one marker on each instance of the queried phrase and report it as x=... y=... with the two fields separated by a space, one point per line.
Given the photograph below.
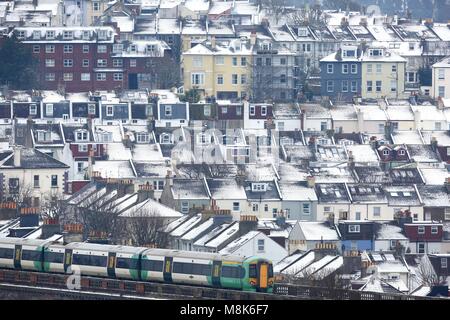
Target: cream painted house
x=441 y=79
x=221 y=70
x=29 y=173
x=383 y=74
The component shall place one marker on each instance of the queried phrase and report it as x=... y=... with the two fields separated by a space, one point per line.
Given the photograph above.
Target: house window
x=410 y=77
x=244 y=78
x=378 y=67
x=101 y=48
x=118 y=76
x=80 y=167
x=68 y=76
x=441 y=91
x=220 y=79
x=243 y=61
x=101 y=76
x=85 y=63
x=444 y=263
x=102 y=63
x=68 y=48
x=236 y=206
x=142 y=137
x=109 y=111
x=234 y=79
x=234 y=61
x=434 y=230
x=68 y=63
x=102 y=34
x=85 y=77
x=421 y=247
x=197 y=61
x=68 y=35
x=378 y=86
x=197 y=78
x=117 y=63
x=421 y=230
x=82 y=148
x=36 y=49
x=357 y=215
x=354 y=228
x=50 y=35
x=376 y=211
x=441 y=74
x=369 y=68
x=260 y=245
x=49 y=109
x=96 y=6
x=49 y=77
x=354 y=68
x=345 y=68
x=401 y=152
x=394 y=68
x=330 y=86
x=411 y=46
x=49 y=62
x=184 y=206
x=437 y=126
x=168 y=111
x=85 y=48
x=263 y=111
x=219 y=60
x=81 y=135
x=133 y=63
x=54 y=181
x=36 y=181
x=353 y=86
x=283 y=61
x=50 y=48
x=255 y=207
x=266 y=208
x=224 y=110
x=329 y=68
x=306 y=209
x=252 y=110
x=207 y=110
x=369 y=86
x=393 y=85
x=344 y=85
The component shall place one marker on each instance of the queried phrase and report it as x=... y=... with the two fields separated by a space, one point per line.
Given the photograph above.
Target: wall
x=385 y=76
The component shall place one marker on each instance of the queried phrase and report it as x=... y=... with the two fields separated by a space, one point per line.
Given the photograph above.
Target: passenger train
x=138 y=263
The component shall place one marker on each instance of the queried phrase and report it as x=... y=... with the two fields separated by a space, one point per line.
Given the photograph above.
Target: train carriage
x=25 y=254
x=54 y=258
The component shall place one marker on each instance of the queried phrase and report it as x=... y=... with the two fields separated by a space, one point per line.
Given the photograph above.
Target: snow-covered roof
x=287 y=261
x=186 y=226
x=151 y=209
x=222 y=189
x=390 y=232
x=435 y=176
x=239 y=242
x=224 y=236
x=211 y=234
x=297 y=191
x=362 y=153
x=406 y=137
x=195 y=232
x=314 y=231
x=114 y=169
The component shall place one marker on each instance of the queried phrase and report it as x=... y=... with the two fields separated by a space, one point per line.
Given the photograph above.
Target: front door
x=17 y=256
x=168 y=262
x=263 y=275
x=111 y=264
x=217 y=266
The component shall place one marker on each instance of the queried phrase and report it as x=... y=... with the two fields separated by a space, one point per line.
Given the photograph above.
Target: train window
x=252 y=271
x=232 y=272
x=152 y=265
x=201 y=269
x=87 y=260
x=270 y=271
x=192 y=268
x=53 y=257
x=6 y=253
x=31 y=255
x=127 y=263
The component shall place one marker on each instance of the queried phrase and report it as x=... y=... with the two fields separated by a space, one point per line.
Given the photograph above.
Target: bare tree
x=144 y=227
x=313 y=16
x=426 y=273
x=54 y=206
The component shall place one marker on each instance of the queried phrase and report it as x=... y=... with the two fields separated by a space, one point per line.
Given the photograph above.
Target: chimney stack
x=145 y=192
x=17 y=156
x=247 y=223
x=310 y=181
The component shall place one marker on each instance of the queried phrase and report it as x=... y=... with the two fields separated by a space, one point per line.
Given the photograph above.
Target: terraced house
x=218 y=69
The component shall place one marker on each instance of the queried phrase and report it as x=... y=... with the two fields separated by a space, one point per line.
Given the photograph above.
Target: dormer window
x=49 y=109
x=104 y=136
x=33 y=109
x=168 y=111
x=36 y=35
x=85 y=35
x=44 y=136
x=102 y=34
x=165 y=138
x=133 y=48
x=401 y=152
x=385 y=152
x=263 y=111
x=50 y=35
x=91 y=108
x=81 y=135
x=349 y=53
x=375 y=52
x=354 y=228
x=68 y=35
x=21 y=34
x=150 y=48
x=142 y=137
x=259 y=187
x=302 y=31
x=109 y=111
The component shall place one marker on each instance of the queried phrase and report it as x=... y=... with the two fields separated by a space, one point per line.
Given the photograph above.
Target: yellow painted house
x=221 y=69
x=383 y=74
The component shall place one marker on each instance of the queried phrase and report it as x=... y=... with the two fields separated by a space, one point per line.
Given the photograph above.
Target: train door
x=168 y=264
x=67 y=259
x=111 y=264
x=263 y=276
x=217 y=266
x=17 y=256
